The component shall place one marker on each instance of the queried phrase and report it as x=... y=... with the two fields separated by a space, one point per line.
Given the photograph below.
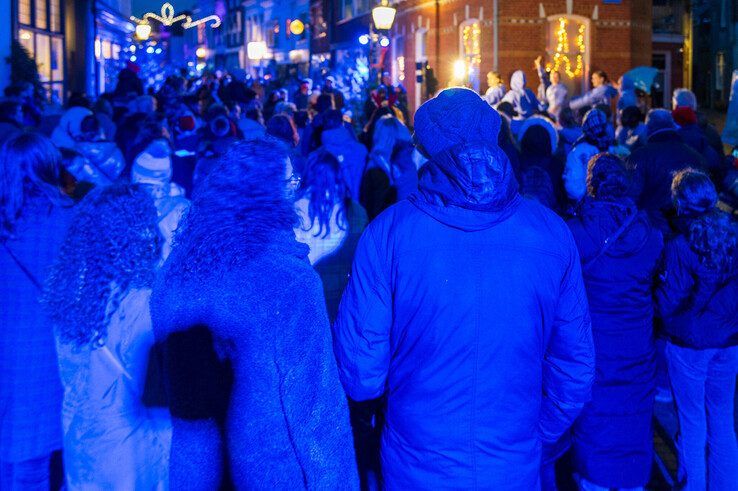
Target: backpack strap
x=610 y=241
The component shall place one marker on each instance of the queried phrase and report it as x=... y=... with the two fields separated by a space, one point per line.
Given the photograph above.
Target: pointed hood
x=468 y=182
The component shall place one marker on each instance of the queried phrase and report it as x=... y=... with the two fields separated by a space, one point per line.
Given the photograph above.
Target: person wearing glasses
x=249 y=368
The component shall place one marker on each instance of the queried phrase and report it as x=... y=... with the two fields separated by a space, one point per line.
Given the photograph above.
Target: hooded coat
x=612 y=438
x=350 y=153
x=467 y=311
x=250 y=374
x=521 y=97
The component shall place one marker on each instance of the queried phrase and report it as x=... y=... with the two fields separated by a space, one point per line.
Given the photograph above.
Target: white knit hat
x=148 y=169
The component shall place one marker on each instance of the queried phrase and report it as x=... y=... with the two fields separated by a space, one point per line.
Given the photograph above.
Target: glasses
x=294 y=181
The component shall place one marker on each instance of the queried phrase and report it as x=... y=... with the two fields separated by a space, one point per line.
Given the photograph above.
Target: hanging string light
x=561 y=56
x=168 y=18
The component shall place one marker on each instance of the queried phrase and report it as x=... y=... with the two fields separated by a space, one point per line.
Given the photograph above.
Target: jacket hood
x=518 y=81
x=553 y=136
x=336 y=136
x=469 y=187
x=602 y=218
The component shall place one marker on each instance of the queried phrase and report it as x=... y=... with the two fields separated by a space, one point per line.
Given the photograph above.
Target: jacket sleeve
x=198 y=388
x=361 y=333
x=313 y=403
x=675 y=283
x=569 y=363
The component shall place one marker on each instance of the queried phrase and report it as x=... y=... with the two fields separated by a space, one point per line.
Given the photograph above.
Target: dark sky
x=139 y=7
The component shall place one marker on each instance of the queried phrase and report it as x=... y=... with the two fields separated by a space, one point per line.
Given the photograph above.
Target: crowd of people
x=212 y=286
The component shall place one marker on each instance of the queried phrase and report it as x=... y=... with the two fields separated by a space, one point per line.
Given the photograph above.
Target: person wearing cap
x=466 y=310
x=655 y=163
x=595 y=139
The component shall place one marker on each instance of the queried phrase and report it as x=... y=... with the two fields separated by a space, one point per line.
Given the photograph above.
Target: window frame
x=52 y=84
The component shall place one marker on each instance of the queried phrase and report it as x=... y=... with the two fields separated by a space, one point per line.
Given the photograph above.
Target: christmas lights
x=561 y=56
x=168 y=18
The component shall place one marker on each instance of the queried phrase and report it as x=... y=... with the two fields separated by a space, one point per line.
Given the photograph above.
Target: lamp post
x=383 y=16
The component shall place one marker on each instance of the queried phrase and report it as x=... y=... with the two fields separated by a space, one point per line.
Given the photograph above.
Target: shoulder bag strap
x=610 y=241
x=25 y=270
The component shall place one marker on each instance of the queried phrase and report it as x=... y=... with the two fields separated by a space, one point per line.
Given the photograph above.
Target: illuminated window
x=55 y=13
x=43 y=57
x=41 y=19
x=57 y=59
x=24 y=12
x=40 y=31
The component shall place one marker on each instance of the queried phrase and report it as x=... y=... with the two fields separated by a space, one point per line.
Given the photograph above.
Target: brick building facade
x=484 y=35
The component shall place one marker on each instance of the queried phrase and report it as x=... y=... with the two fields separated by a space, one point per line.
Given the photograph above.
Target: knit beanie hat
x=153 y=165
x=594 y=127
x=455 y=116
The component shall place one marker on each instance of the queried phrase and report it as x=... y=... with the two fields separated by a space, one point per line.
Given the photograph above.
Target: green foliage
x=23 y=68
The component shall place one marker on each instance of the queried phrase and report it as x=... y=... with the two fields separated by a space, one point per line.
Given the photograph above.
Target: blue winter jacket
x=466 y=308
x=697 y=303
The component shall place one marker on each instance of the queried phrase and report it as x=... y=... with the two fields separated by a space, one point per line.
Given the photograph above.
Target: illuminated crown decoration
x=168 y=18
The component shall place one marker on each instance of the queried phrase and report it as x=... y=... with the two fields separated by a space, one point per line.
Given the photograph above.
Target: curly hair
x=607 y=177
x=112 y=246
x=241 y=207
x=324 y=186
x=711 y=234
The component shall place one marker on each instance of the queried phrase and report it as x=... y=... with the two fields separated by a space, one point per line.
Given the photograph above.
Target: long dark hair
x=711 y=233
x=30 y=166
x=112 y=246
x=324 y=187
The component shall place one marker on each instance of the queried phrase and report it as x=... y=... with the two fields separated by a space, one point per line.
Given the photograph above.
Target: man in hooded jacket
x=466 y=310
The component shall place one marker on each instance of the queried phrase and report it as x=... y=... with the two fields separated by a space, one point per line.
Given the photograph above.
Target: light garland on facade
x=561 y=56
x=471 y=38
x=168 y=18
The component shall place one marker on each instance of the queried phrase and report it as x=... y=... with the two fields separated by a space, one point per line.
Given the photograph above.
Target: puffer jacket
x=466 y=309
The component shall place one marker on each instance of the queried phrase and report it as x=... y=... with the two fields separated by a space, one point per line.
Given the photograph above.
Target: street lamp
x=383 y=16
x=143 y=31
